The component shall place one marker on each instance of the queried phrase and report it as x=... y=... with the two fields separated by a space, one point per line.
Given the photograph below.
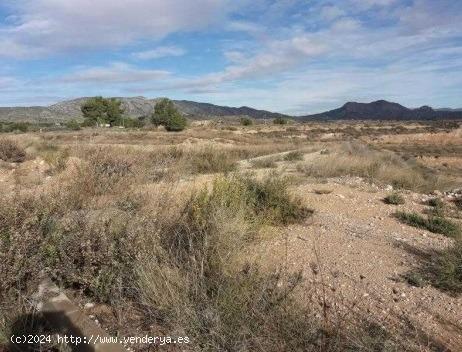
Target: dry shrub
x=105 y=171
x=57 y=159
x=195 y=284
x=11 y=152
x=359 y=160
x=264 y=163
x=93 y=251
x=293 y=156
x=209 y=160
x=394 y=198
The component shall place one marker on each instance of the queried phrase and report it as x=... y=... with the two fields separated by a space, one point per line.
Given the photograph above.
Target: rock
x=395 y=290
x=89 y=305
x=389 y=188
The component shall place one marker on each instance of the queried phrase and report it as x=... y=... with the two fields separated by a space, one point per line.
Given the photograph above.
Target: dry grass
x=10 y=151
x=387 y=168
x=264 y=163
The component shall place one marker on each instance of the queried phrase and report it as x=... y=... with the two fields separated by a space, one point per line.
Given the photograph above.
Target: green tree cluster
x=167 y=115
x=99 y=110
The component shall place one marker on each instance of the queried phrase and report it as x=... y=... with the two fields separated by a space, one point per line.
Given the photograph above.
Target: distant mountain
x=449 y=109
x=133 y=107
x=382 y=110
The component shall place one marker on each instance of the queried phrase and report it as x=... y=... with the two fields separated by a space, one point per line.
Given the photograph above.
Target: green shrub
x=73 y=125
x=17 y=127
x=458 y=203
x=448 y=269
x=394 y=198
x=133 y=123
x=280 y=121
x=432 y=224
x=245 y=121
x=11 y=152
x=435 y=202
x=293 y=156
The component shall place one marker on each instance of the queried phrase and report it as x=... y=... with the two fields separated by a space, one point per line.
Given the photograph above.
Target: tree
x=167 y=115
x=114 y=111
x=99 y=110
x=93 y=110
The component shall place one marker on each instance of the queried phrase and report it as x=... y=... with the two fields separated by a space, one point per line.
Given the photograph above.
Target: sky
x=290 y=56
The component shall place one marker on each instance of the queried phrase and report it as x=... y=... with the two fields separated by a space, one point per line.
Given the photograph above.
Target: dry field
x=302 y=237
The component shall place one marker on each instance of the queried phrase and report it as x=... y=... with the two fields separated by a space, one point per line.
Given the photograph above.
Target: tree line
x=100 y=111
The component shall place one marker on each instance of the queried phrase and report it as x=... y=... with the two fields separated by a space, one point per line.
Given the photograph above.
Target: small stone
x=395 y=290
x=89 y=305
x=362 y=277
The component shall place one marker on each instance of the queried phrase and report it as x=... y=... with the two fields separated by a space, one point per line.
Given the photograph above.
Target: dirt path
x=363 y=253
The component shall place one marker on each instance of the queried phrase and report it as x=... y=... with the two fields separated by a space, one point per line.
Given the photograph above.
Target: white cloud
x=47 y=26
x=161 y=51
x=331 y=12
x=114 y=73
x=278 y=56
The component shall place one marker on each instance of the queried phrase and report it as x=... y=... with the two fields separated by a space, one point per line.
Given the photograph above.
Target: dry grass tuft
x=264 y=163
x=11 y=152
x=385 y=167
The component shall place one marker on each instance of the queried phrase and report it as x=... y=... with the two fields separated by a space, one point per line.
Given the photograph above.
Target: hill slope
x=382 y=110
x=133 y=107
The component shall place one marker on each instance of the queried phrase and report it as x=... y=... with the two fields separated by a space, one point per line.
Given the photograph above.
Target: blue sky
x=290 y=56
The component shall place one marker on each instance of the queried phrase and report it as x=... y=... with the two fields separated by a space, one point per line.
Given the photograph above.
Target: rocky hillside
x=382 y=110
x=133 y=107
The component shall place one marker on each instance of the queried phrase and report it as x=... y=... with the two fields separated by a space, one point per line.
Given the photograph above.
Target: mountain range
x=383 y=110
x=140 y=106
x=133 y=107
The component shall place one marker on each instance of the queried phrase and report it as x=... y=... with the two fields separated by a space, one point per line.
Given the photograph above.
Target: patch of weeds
x=448 y=269
x=293 y=156
x=435 y=202
x=268 y=200
x=57 y=159
x=394 y=198
x=11 y=152
x=438 y=210
x=209 y=160
x=415 y=279
x=458 y=203
x=432 y=224
x=264 y=163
